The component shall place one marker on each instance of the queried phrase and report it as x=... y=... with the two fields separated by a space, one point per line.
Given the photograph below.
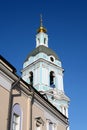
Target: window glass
x=50 y=126
x=16 y=122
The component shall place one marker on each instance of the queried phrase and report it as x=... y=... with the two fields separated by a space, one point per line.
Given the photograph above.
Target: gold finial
x=41 y=28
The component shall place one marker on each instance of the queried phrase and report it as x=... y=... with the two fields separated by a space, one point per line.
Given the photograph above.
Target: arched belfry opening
x=31 y=78
x=52 y=78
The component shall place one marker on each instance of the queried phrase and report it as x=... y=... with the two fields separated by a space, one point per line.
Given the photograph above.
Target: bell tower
x=43 y=70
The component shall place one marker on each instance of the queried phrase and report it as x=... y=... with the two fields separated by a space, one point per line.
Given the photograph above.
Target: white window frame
x=16 y=122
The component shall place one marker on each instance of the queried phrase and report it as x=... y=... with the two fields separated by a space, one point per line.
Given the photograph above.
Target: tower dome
x=42 y=49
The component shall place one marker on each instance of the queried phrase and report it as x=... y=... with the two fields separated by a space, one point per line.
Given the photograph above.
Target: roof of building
x=43 y=49
x=11 y=66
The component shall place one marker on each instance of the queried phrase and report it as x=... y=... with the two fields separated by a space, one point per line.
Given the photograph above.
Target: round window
x=52 y=59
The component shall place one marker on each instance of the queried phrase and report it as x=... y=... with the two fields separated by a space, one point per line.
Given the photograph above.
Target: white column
x=54 y=80
x=47 y=124
x=53 y=127
x=63 y=110
x=60 y=82
x=67 y=111
x=28 y=113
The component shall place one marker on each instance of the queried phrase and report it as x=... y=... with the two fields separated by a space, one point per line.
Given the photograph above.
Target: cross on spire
x=41 y=20
x=41 y=28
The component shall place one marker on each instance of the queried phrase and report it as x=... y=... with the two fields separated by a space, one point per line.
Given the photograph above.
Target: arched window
x=38 y=40
x=44 y=40
x=52 y=76
x=31 y=78
x=16 y=117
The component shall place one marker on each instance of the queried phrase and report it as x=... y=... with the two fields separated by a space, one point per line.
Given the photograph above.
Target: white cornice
x=45 y=61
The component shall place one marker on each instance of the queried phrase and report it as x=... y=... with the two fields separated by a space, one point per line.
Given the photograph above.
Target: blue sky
x=66 y=22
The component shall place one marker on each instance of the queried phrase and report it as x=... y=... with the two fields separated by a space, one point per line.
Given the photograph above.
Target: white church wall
x=5 y=81
x=36 y=76
x=45 y=76
x=59 y=82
